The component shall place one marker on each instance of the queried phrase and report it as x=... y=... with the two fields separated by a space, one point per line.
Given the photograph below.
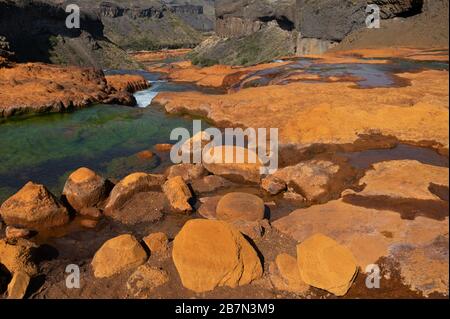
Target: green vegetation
x=203 y=62
x=263 y=46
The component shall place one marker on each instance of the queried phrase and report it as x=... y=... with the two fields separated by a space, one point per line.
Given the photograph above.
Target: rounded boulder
x=210 y=254
x=84 y=189
x=34 y=207
x=325 y=264
x=240 y=206
x=117 y=255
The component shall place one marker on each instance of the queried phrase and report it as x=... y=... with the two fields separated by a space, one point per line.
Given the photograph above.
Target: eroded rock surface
x=371 y=234
x=404 y=179
x=178 y=194
x=210 y=254
x=16 y=233
x=128 y=83
x=157 y=243
x=208 y=207
x=18 y=286
x=309 y=114
x=131 y=185
x=117 y=255
x=143 y=207
x=37 y=88
x=406 y=186
x=240 y=206
x=255 y=230
x=285 y=275
x=223 y=161
x=210 y=184
x=188 y=172
x=34 y=207
x=325 y=264
x=84 y=188
x=18 y=256
x=309 y=179
x=144 y=280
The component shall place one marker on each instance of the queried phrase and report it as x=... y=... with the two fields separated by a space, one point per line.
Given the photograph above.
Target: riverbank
x=410 y=249
x=333 y=100
x=41 y=88
x=363 y=180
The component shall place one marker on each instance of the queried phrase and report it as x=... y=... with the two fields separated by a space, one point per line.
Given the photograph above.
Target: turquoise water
x=105 y=138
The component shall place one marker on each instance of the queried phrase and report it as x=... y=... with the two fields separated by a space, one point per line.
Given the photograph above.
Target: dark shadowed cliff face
x=199 y=14
x=333 y=20
x=323 y=19
x=149 y=24
x=429 y=29
x=313 y=27
x=36 y=31
x=244 y=17
x=145 y=26
x=249 y=32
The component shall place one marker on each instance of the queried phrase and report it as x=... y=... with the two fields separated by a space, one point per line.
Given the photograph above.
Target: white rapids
x=145 y=97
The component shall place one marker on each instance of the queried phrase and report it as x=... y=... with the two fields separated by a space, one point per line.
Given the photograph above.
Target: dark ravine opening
x=416 y=8
x=283 y=22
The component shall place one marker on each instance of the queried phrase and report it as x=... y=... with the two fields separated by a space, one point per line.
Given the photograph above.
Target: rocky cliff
x=199 y=14
x=429 y=29
x=323 y=19
x=36 y=30
x=149 y=24
x=249 y=32
x=315 y=26
x=327 y=21
x=146 y=27
x=240 y=18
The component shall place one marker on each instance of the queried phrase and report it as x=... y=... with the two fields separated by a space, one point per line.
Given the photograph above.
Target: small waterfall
x=145 y=97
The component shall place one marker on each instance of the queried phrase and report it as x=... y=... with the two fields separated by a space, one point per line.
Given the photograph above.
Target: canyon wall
x=244 y=17
x=199 y=14
x=315 y=26
x=36 y=30
x=428 y=29
x=145 y=25
x=323 y=19
x=152 y=24
x=327 y=20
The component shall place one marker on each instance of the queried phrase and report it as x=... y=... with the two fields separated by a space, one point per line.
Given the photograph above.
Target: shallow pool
x=105 y=138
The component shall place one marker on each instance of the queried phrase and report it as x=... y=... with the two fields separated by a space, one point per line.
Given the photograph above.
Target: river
x=106 y=138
